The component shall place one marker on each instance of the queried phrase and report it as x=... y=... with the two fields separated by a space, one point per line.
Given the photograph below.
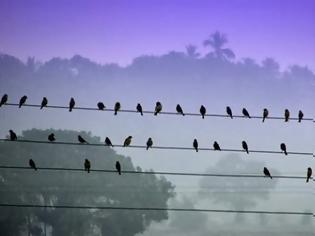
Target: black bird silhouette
x=100 y=106
x=51 y=137
x=127 y=141
x=179 y=109
x=203 y=111
x=245 y=146
x=301 y=115
x=82 y=140
x=283 y=148
x=139 y=109
x=87 y=165
x=216 y=146
x=4 y=99
x=229 y=112
x=32 y=164
x=118 y=167
x=309 y=174
x=245 y=113
x=117 y=107
x=149 y=143
x=22 y=101
x=44 y=103
x=265 y=114
x=158 y=108
x=267 y=173
x=286 y=115
x=71 y=104
x=108 y=142
x=195 y=145
x=13 y=136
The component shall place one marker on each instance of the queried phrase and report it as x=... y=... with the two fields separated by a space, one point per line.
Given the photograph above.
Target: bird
x=4 y=99
x=13 y=136
x=245 y=146
x=118 y=167
x=71 y=104
x=245 y=113
x=87 y=165
x=267 y=173
x=158 y=108
x=82 y=140
x=51 y=137
x=139 y=109
x=309 y=174
x=195 y=145
x=179 y=109
x=100 y=106
x=127 y=141
x=32 y=164
x=265 y=114
x=301 y=115
x=286 y=115
x=203 y=111
x=117 y=107
x=108 y=142
x=283 y=148
x=229 y=112
x=22 y=101
x=216 y=146
x=44 y=103
x=149 y=143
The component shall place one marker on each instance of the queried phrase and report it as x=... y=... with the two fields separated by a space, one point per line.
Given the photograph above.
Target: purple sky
x=117 y=31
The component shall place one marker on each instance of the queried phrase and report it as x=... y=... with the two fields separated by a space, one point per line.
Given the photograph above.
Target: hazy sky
x=118 y=31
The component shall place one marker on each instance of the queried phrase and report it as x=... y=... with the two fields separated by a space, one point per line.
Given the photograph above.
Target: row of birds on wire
x=87 y=167
x=158 y=108
x=149 y=143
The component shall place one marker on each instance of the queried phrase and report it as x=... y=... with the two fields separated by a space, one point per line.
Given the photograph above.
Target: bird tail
x=70 y=109
x=147 y=147
x=155 y=113
x=263 y=119
x=119 y=172
x=88 y=170
x=307 y=179
x=41 y=107
x=183 y=113
x=196 y=149
x=285 y=152
x=142 y=113
x=299 y=120
x=35 y=168
x=270 y=177
x=247 y=151
x=115 y=113
x=203 y=116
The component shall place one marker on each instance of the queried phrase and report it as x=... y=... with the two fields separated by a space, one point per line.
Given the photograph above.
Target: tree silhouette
x=191 y=51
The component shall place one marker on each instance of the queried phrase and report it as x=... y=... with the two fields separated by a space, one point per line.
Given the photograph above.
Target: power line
x=156 y=209
x=157 y=147
x=155 y=172
x=160 y=113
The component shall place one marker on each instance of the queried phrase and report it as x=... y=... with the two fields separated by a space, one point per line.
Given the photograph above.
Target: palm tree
x=217 y=40
x=191 y=51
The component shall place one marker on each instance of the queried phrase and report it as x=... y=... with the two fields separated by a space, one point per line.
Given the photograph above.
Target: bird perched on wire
x=265 y=114
x=87 y=165
x=127 y=141
x=195 y=145
x=283 y=148
x=82 y=140
x=158 y=108
x=4 y=99
x=301 y=115
x=216 y=146
x=13 y=136
x=267 y=173
x=51 y=137
x=309 y=174
x=108 y=142
x=32 y=164
x=118 y=167
x=149 y=143
x=139 y=109
x=100 y=106
x=245 y=146
x=22 y=101
x=229 y=112
x=179 y=109
x=44 y=103
x=286 y=115
x=71 y=104
x=203 y=111
x=245 y=113
x=117 y=108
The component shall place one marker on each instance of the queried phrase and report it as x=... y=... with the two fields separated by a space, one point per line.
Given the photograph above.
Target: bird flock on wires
x=157 y=109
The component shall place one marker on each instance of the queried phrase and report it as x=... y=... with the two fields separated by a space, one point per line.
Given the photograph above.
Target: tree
x=191 y=51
